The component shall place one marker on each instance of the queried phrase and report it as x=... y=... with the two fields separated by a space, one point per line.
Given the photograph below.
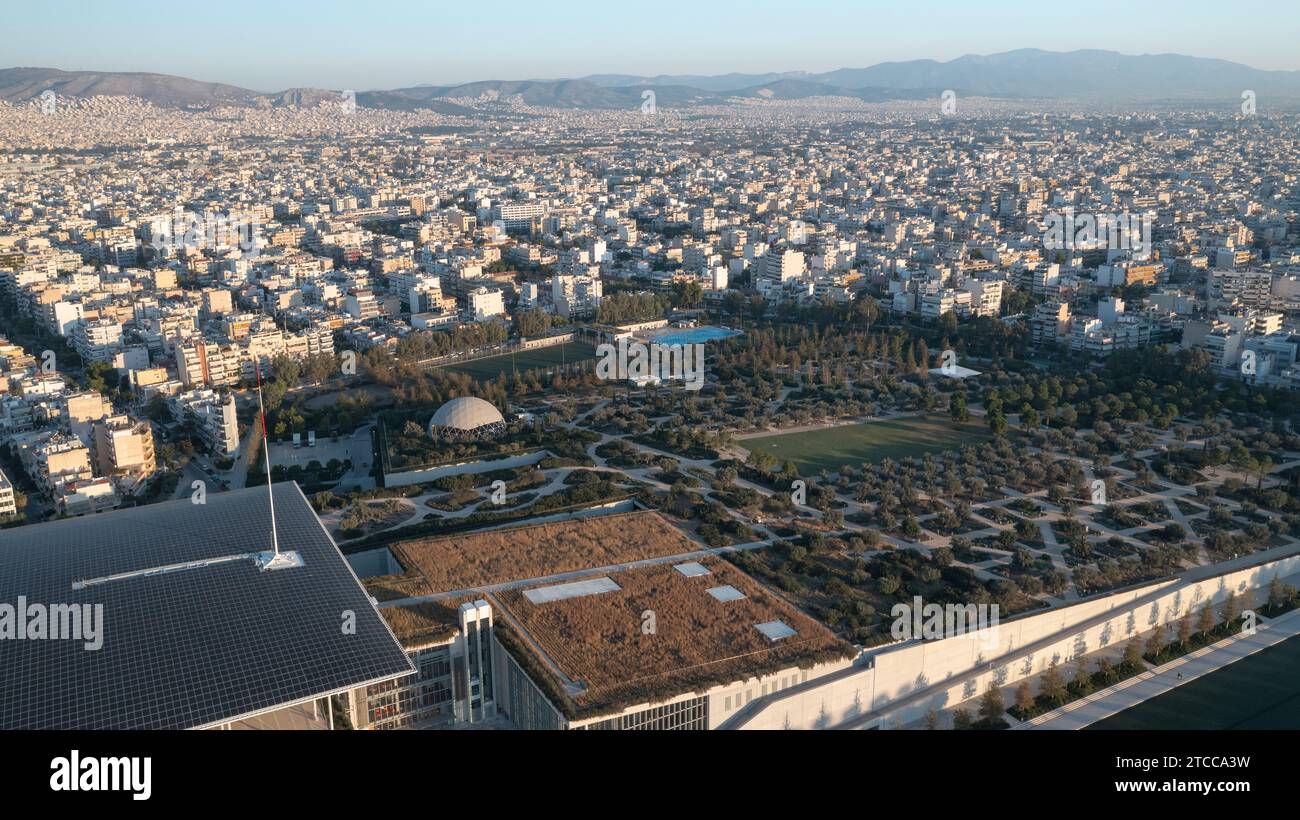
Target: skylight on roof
x=775 y=630
x=574 y=589
x=726 y=592
x=692 y=569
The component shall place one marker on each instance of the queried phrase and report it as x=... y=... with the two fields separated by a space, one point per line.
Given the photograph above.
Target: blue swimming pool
x=706 y=333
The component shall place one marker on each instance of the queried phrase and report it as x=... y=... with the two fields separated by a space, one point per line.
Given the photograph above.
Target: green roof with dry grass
x=479 y=559
x=698 y=642
x=423 y=623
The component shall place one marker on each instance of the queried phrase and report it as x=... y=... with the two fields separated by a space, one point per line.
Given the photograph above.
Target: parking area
x=355 y=447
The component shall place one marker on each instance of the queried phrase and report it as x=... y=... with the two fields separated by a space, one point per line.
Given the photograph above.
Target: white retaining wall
x=405 y=479
x=904 y=681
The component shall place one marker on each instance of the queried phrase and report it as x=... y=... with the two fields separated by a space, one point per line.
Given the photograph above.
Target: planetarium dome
x=466 y=417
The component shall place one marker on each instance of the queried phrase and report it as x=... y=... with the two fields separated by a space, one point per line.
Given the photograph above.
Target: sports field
x=489 y=368
x=1261 y=691
x=833 y=447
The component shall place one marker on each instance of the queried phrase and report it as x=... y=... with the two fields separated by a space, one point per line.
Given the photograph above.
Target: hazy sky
x=276 y=44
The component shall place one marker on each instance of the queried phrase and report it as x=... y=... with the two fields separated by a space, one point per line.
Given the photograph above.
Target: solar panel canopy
x=194 y=647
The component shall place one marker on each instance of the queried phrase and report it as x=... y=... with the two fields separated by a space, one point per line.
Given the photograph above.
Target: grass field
x=834 y=447
x=493 y=366
x=1257 y=692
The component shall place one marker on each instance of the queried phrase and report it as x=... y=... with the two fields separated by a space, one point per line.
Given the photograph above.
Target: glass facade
x=685 y=715
x=422 y=699
x=525 y=705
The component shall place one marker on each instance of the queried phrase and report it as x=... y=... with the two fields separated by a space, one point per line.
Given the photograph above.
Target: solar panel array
x=194 y=647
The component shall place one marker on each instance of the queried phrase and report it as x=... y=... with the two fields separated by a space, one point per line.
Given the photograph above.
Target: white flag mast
x=273 y=559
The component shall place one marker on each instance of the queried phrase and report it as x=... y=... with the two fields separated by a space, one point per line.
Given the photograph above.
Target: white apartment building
x=362 y=305
x=576 y=294
x=783 y=266
x=86 y=496
x=8 y=504
x=936 y=304
x=124 y=446
x=518 y=216
x=529 y=295
x=1100 y=338
x=1248 y=288
x=986 y=296
x=61 y=317
x=1269 y=360
x=53 y=459
x=214 y=416
x=407 y=283
x=98 y=340
x=208 y=364
x=485 y=303
x=1050 y=323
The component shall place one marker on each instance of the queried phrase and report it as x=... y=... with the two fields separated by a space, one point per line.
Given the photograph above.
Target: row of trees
x=617 y=308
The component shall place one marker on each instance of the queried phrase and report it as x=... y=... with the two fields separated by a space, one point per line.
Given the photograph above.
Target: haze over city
x=270 y=47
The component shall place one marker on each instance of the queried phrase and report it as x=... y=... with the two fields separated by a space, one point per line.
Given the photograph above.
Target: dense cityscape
x=778 y=408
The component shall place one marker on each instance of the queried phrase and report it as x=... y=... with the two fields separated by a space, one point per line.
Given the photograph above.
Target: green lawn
x=493 y=366
x=871 y=441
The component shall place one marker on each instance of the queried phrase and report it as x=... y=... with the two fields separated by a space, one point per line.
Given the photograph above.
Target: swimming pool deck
x=707 y=333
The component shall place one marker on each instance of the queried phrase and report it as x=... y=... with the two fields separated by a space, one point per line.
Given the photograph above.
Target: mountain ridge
x=1020 y=73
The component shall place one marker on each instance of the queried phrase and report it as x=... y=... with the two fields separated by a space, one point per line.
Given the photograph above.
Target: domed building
x=466 y=419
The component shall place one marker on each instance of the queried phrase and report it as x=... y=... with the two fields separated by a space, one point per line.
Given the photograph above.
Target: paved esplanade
x=1115 y=699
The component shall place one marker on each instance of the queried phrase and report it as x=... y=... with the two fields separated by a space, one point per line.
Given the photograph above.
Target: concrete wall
x=906 y=669
x=902 y=682
x=546 y=341
x=371 y=563
x=726 y=701
x=824 y=702
x=626 y=505
x=405 y=479
x=729 y=699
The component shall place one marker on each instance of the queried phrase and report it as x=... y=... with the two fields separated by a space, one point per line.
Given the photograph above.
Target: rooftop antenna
x=273 y=559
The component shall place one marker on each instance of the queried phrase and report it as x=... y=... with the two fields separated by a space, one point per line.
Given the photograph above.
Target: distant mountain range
x=1026 y=73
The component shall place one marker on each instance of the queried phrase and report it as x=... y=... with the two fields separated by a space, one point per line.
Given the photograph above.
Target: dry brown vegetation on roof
x=474 y=560
x=396 y=586
x=425 y=622
x=698 y=641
